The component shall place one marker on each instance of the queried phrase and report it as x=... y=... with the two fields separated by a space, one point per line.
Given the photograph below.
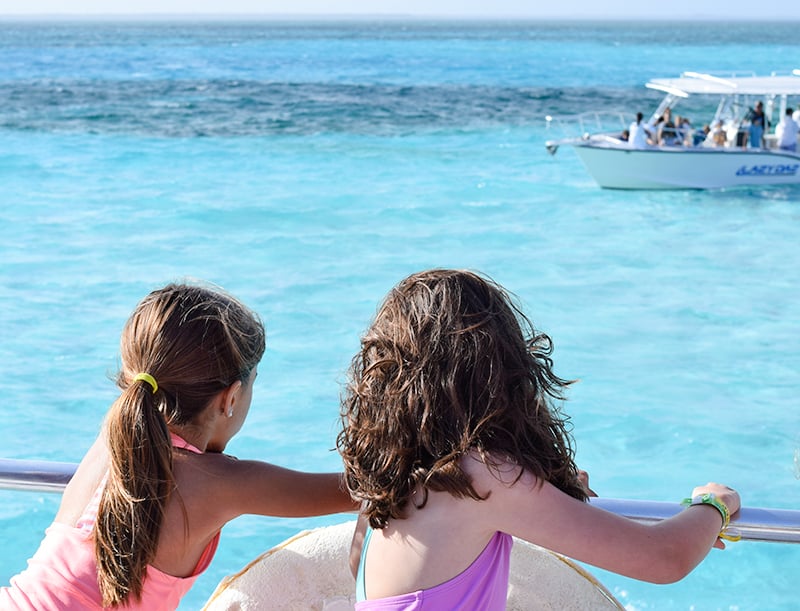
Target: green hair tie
x=146 y=377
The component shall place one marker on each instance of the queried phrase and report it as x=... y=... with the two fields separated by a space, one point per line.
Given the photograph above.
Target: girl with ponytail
x=141 y=518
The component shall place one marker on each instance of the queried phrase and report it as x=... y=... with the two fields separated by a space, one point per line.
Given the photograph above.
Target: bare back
x=439 y=541
x=432 y=544
x=184 y=537
x=211 y=489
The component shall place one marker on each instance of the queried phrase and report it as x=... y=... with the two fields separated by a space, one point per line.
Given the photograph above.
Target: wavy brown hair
x=450 y=365
x=195 y=341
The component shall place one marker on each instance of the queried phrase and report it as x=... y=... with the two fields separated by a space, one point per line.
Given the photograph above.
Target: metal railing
x=41 y=475
x=751 y=523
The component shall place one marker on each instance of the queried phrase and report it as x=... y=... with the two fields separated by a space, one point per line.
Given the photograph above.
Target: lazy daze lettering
x=768 y=170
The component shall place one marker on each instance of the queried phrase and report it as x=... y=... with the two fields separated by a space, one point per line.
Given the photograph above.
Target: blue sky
x=675 y=9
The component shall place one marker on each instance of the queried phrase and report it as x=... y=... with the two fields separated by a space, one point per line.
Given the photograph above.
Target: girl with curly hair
x=453 y=443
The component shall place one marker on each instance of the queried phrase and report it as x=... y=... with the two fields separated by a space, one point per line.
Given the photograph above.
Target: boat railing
x=590 y=122
x=38 y=475
x=750 y=523
x=586 y=125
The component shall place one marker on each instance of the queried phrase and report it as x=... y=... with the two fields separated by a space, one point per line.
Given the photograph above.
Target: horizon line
x=389 y=16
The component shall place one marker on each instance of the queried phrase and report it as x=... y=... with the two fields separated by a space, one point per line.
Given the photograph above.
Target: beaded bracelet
x=709 y=498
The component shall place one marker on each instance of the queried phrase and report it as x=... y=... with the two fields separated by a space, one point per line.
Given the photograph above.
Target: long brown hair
x=195 y=341
x=449 y=365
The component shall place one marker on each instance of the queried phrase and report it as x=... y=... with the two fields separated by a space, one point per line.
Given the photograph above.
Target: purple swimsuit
x=483 y=585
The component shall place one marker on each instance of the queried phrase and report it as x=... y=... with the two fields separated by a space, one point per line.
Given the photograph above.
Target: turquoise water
x=307 y=167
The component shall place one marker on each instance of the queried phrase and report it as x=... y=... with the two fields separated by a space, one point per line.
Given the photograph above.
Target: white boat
x=616 y=164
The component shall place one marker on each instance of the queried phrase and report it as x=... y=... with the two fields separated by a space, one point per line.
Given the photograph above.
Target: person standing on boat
x=141 y=517
x=668 y=135
x=787 y=132
x=639 y=132
x=663 y=121
x=716 y=135
x=684 y=130
x=758 y=123
x=699 y=136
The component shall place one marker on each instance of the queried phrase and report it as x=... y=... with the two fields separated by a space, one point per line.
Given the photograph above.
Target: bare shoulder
x=508 y=491
x=210 y=471
x=498 y=474
x=213 y=462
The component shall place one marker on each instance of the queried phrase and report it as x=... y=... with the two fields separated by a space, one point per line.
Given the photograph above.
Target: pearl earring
x=230 y=412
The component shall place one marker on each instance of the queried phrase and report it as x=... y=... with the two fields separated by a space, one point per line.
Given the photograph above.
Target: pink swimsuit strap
x=87 y=519
x=181 y=443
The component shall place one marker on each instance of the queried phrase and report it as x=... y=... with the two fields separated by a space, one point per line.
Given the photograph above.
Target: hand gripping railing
x=752 y=523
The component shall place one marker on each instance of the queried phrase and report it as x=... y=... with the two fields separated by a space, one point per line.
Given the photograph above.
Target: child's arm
x=81 y=487
x=255 y=487
x=663 y=552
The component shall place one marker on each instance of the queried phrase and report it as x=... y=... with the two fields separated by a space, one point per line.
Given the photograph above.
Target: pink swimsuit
x=482 y=586
x=62 y=575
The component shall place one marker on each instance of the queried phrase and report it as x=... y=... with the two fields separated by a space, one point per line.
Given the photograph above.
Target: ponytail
x=140 y=480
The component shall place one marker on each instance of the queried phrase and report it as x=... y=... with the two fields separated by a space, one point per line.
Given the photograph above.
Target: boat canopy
x=696 y=83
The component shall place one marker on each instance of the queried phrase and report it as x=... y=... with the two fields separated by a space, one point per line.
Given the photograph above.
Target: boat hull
x=620 y=167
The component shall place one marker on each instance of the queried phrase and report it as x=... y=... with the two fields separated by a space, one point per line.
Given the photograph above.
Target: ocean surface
x=308 y=166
